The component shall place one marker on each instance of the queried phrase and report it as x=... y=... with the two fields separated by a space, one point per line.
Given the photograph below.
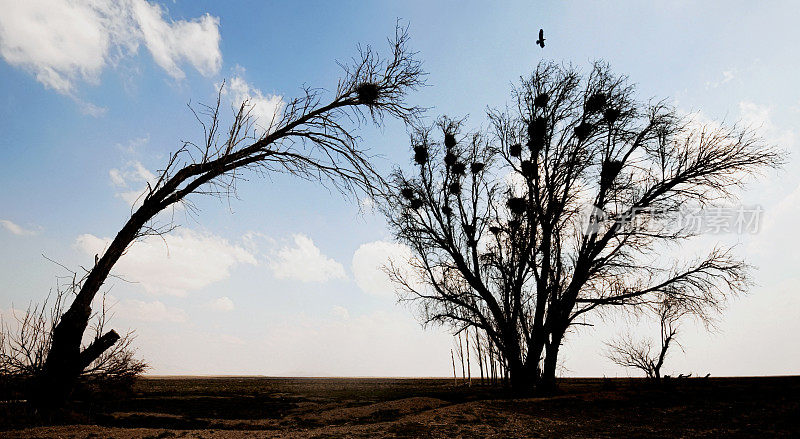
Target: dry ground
x=369 y=407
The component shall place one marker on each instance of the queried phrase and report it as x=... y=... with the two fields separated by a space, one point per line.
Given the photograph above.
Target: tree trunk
x=522 y=377
x=63 y=365
x=452 y=357
x=547 y=382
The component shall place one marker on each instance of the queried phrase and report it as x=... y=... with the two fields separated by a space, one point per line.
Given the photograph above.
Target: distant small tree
x=642 y=354
x=311 y=138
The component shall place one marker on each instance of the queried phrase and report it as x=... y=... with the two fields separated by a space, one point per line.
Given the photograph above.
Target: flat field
x=239 y=407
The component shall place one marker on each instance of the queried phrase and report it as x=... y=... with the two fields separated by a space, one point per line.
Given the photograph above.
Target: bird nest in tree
x=416 y=203
x=596 y=103
x=609 y=172
x=420 y=154
x=454 y=188
x=516 y=205
x=537 y=131
x=476 y=167
x=449 y=140
x=515 y=150
x=527 y=168
x=611 y=115
x=407 y=193
x=583 y=130
x=368 y=93
x=447 y=210
x=541 y=100
x=450 y=159
x=459 y=168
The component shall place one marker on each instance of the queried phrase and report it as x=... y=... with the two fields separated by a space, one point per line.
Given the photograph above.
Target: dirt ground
x=370 y=407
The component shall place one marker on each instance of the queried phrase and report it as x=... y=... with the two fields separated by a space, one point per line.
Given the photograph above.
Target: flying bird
x=540 y=41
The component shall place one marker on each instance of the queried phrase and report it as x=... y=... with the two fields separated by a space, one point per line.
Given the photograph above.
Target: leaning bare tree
x=310 y=138
x=625 y=351
x=562 y=207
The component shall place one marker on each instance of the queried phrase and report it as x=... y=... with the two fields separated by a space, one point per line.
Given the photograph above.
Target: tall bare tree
x=560 y=208
x=311 y=138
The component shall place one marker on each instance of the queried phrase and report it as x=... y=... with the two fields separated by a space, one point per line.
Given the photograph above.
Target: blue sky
x=93 y=98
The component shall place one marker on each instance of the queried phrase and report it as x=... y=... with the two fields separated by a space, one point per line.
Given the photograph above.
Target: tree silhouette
x=311 y=138
x=561 y=207
x=640 y=354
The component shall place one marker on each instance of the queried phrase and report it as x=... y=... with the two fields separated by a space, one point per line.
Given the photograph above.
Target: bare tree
x=311 y=138
x=479 y=353
x=455 y=377
x=26 y=340
x=640 y=354
x=561 y=207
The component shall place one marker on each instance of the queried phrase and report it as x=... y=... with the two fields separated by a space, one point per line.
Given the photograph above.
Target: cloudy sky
x=286 y=280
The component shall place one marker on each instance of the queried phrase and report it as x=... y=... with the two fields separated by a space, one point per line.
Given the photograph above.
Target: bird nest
x=596 y=103
x=368 y=93
x=609 y=172
x=449 y=140
x=459 y=168
x=541 y=100
x=527 y=168
x=611 y=115
x=537 y=131
x=516 y=205
x=420 y=154
x=583 y=130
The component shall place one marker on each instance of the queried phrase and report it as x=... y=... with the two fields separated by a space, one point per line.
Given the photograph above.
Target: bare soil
x=255 y=407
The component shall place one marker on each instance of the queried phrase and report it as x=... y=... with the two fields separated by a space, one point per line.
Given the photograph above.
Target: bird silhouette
x=540 y=41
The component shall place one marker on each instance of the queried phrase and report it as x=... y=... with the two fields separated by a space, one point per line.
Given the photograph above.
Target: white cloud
x=131 y=146
x=369 y=261
x=17 y=229
x=134 y=177
x=155 y=311
x=223 y=303
x=62 y=41
x=759 y=117
x=195 y=41
x=226 y=339
x=116 y=177
x=727 y=76
x=305 y=262
x=189 y=261
x=367 y=204
x=340 y=312
x=266 y=110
